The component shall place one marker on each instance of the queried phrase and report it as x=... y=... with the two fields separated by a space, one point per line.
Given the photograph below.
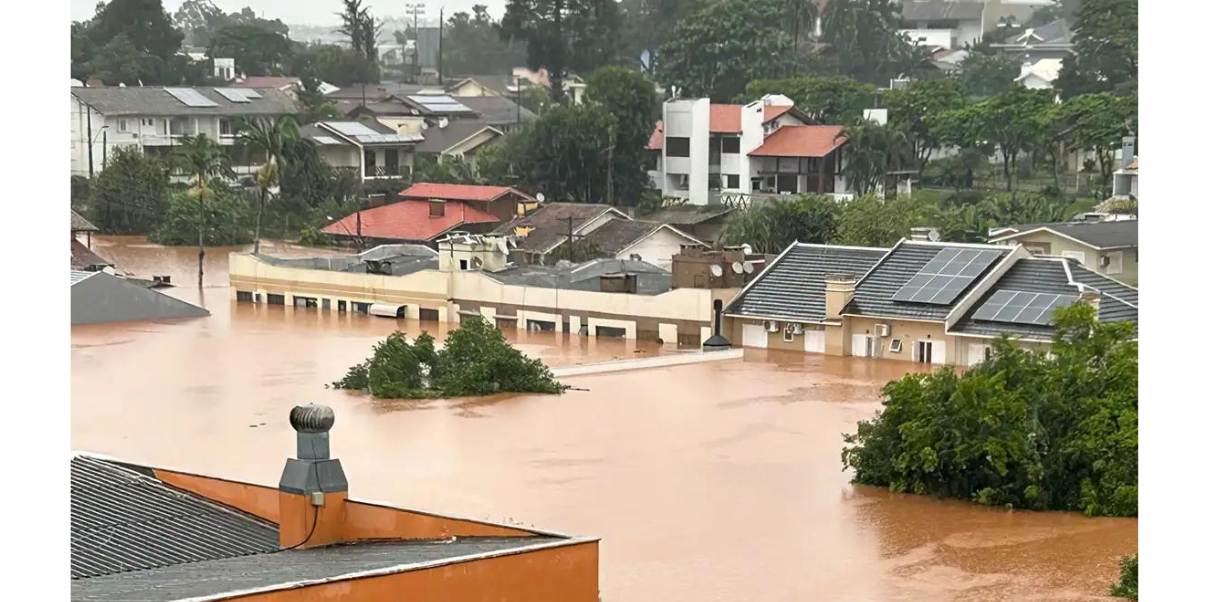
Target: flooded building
x=153 y=533
x=83 y=258
x=427 y=212
x=921 y=301
x=99 y=297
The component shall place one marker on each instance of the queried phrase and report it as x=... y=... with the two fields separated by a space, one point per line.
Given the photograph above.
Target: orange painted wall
x=298 y=516
x=563 y=574
x=256 y=500
x=369 y=521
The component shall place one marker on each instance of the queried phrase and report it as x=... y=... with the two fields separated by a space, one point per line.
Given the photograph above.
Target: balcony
x=387 y=171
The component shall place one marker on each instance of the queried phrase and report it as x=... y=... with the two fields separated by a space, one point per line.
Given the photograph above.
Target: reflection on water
x=707 y=482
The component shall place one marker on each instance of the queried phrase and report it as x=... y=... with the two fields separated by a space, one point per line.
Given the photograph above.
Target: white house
x=702 y=151
x=370 y=149
x=154 y=119
x=958 y=23
x=1039 y=74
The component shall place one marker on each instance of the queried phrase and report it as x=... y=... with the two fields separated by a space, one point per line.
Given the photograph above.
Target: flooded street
x=710 y=482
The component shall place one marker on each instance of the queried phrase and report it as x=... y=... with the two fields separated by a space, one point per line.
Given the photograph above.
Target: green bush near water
x=476 y=360
x=1023 y=429
x=1127 y=587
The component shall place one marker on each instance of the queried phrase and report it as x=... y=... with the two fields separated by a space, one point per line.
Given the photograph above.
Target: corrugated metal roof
x=77 y=276
x=123 y=520
x=1118 y=302
x=874 y=293
x=794 y=285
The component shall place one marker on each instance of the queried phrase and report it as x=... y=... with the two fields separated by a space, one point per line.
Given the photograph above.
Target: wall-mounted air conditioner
x=771 y=325
x=1105 y=261
x=882 y=330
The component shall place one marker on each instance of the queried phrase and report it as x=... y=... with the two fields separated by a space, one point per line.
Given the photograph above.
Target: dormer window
x=436 y=208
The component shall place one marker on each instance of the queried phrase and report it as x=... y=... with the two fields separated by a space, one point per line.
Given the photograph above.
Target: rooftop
x=83 y=258
x=267 y=81
x=620 y=234
x=793 y=286
x=875 y=292
x=549 y=224
x=496 y=110
x=392 y=259
x=168 y=101
x=1100 y=235
x=440 y=139
x=79 y=224
x=367 y=132
x=941 y=10
x=801 y=141
x=408 y=220
x=458 y=192
x=688 y=215
x=652 y=280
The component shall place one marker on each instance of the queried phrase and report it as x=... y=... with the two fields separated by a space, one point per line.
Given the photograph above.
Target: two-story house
x=155 y=118
x=703 y=152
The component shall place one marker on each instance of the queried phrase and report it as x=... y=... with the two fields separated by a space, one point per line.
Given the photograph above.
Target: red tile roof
x=723 y=119
x=801 y=141
x=457 y=192
x=656 y=141
x=409 y=220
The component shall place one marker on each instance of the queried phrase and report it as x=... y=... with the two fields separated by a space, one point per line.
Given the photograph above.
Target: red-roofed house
x=700 y=150
x=413 y=221
x=502 y=202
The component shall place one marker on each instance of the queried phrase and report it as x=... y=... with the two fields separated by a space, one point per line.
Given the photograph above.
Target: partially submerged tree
x=203 y=158
x=475 y=360
x=268 y=136
x=130 y=194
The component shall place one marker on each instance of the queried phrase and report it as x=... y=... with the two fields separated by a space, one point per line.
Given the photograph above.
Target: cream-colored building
x=1106 y=247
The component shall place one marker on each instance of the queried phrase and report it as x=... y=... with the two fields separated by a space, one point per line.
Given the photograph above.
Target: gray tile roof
x=688 y=215
x=618 y=234
x=123 y=520
x=941 y=10
x=79 y=224
x=549 y=224
x=83 y=258
x=652 y=280
x=1118 y=302
x=375 y=92
x=133 y=100
x=874 y=292
x=793 y=286
x=437 y=139
x=496 y=110
x=1102 y=235
x=216 y=577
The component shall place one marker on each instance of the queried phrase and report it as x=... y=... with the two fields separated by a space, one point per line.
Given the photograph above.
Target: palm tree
x=269 y=136
x=204 y=159
x=801 y=15
x=870 y=152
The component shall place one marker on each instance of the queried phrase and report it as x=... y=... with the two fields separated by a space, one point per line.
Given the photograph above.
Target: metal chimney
x=717 y=342
x=314 y=469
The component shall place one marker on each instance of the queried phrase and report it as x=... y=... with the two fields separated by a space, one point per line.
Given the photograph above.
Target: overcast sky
x=311 y=12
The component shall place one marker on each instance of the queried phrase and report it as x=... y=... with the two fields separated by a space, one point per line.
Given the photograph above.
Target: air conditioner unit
x=793 y=328
x=1105 y=261
x=771 y=325
x=882 y=330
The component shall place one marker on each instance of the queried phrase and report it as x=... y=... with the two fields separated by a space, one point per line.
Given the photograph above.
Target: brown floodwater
x=706 y=482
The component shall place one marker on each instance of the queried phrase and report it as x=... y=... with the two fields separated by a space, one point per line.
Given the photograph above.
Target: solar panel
x=946 y=275
x=233 y=94
x=190 y=97
x=351 y=128
x=439 y=103
x=250 y=93
x=1019 y=307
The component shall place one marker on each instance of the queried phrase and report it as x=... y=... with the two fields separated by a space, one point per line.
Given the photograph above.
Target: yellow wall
x=402 y=125
x=1059 y=244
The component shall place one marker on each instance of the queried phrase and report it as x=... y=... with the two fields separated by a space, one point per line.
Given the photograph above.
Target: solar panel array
x=439 y=103
x=949 y=273
x=351 y=128
x=1019 y=307
x=190 y=97
x=238 y=94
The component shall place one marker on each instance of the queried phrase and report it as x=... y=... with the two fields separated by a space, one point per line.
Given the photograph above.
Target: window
x=243 y=296
x=896 y=346
x=1115 y=261
x=226 y=127
x=276 y=299
x=787 y=335
x=436 y=208
x=463 y=264
x=179 y=126
x=429 y=315
x=371 y=159
x=732 y=181
x=923 y=352
x=676 y=147
x=1076 y=255
x=148 y=122
x=123 y=125
x=163 y=127
x=730 y=145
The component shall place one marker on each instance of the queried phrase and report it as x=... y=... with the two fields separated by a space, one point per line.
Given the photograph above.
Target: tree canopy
x=630 y=98
x=1023 y=428
x=127 y=41
x=257 y=51
x=865 y=39
x=829 y=99
x=1106 y=48
x=564 y=36
x=473 y=45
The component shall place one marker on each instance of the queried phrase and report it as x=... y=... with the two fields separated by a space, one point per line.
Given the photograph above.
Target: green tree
x=829 y=99
x=332 y=64
x=127 y=38
x=1023 y=428
x=648 y=25
x=268 y=136
x=564 y=36
x=315 y=105
x=800 y=16
x=1106 y=48
x=204 y=159
x=536 y=99
x=1013 y=122
x=1097 y=122
x=362 y=30
x=629 y=96
x=563 y=154
x=1127 y=587
x=129 y=196
x=871 y=222
x=916 y=110
x=718 y=50
x=987 y=73
x=224 y=215
x=872 y=151
x=256 y=51
x=865 y=37
x=473 y=45
x=445 y=170
x=773 y=225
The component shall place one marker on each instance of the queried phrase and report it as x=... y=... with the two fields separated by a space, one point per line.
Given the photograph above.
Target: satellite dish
x=541 y=198
x=737 y=267
x=716 y=270
x=748 y=267
x=933 y=235
x=746 y=249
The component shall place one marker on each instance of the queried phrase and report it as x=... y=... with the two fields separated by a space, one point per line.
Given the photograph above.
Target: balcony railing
x=387 y=171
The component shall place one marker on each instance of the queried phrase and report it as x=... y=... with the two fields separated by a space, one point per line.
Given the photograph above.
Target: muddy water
x=709 y=482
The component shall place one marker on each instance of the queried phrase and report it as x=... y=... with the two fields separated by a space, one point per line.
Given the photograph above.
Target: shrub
x=226 y=220
x=131 y=195
x=476 y=360
x=1022 y=429
x=1127 y=587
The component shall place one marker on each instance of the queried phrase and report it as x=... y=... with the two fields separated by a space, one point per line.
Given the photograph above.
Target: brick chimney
x=837 y=293
x=313 y=489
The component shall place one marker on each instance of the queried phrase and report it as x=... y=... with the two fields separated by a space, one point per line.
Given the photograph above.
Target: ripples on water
x=709 y=482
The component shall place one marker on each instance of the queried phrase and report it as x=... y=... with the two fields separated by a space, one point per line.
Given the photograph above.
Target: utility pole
x=612 y=144
x=88 y=110
x=360 y=241
x=441 y=48
x=570 y=240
